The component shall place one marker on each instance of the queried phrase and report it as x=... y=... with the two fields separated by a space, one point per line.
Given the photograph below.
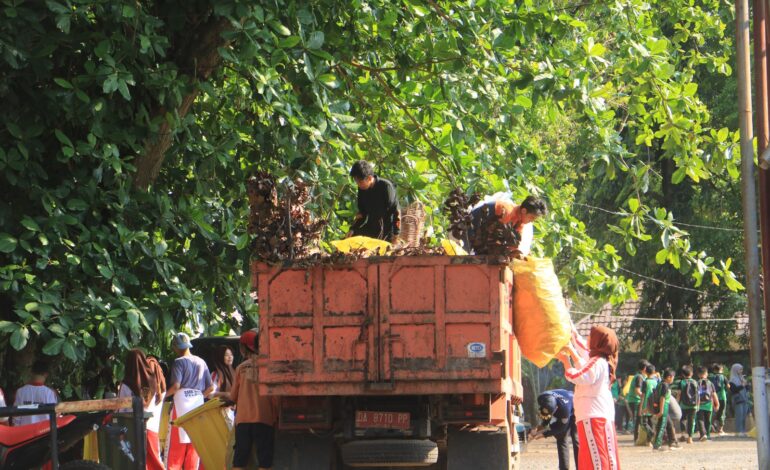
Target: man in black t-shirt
x=378 y=211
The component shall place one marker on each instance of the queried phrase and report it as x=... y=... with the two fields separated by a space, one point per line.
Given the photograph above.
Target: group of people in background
x=654 y=406
x=187 y=384
x=692 y=401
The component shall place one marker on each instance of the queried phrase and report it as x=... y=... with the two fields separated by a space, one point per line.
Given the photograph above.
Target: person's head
x=222 y=364
x=531 y=208
x=649 y=370
x=40 y=370
x=716 y=368
x=686 y=371
x=668 y=375
x=181 y=344
x=362 y=173
x=702 y=372
x=546 y=404
x=736 y=373
x=227 y=355
x=249 y=343
x=603 y=342
x=641 y=365
x=140 y=376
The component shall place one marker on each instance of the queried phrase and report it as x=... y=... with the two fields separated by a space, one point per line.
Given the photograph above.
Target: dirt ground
x=722 y=453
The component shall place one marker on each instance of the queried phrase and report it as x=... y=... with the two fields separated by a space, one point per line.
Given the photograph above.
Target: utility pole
x=749 y=199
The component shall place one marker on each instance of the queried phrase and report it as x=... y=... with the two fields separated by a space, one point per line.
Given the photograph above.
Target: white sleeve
x=527 y=234
x=585 y=373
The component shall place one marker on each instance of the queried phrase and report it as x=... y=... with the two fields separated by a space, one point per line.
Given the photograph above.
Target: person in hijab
x=591 y=367
x=739 y=395
x=144 y=378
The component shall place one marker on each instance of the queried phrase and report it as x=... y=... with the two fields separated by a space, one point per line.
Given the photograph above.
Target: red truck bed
x=387 y=325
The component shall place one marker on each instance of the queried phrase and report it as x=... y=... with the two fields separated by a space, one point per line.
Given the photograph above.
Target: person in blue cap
x=558 y=420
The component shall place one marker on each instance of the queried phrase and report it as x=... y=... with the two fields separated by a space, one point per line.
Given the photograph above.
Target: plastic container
x=117 y=442
x=208 y=433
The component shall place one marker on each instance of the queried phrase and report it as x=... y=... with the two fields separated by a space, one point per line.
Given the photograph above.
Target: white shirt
x=153 y=423
x=592 y=398
x=33 y=394
x=527 y=235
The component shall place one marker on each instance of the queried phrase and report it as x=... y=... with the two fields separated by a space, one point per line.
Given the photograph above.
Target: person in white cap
x=190 y=384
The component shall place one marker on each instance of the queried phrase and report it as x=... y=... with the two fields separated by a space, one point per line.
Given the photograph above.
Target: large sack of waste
x=541 y=320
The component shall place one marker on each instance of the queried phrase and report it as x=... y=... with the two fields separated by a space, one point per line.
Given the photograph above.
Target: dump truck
x=386 y=362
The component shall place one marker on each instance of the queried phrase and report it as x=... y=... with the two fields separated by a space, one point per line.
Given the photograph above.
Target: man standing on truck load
x=558 y=420
x=190 y=383
x=503 y=210
x=379 y=215
x=254 y=414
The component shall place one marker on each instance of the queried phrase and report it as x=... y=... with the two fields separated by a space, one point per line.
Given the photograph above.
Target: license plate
x=382 y=419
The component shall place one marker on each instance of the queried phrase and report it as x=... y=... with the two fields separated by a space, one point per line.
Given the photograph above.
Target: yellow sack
x=541 y=321
x=358 y=242
x=452 y=248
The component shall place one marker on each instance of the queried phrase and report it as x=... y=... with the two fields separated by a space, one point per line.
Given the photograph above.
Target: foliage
x=526 y=96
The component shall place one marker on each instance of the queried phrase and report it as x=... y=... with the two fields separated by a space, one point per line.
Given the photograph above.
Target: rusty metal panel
x=429 y=324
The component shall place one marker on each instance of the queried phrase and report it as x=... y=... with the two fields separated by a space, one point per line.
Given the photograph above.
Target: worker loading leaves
x=378 y=211
x=500 y=227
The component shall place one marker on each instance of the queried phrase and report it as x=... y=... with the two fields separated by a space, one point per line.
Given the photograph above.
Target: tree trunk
x=199 y=60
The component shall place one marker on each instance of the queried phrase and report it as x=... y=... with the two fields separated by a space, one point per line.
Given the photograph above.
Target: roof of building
x=621 y=317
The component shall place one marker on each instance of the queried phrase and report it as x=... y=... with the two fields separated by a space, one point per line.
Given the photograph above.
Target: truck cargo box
x=387 y=325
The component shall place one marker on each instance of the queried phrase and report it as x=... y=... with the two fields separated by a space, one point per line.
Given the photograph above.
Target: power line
x=632 y=317
x=667 y=284
x=683 y=224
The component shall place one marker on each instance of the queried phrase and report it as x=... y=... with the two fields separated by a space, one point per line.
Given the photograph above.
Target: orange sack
x=541 y=321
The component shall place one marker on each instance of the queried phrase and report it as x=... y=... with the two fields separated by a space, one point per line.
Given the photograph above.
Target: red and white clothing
x=34 y=393
x=594 y=412
x=154 y=461
x=598 y=445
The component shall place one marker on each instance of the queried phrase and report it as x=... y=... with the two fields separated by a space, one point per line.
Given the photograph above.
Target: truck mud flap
x=303 y=451
x=488 y=450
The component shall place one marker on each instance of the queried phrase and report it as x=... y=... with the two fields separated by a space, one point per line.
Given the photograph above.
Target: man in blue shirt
x=558 y=420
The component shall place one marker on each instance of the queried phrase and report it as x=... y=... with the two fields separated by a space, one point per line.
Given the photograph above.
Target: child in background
x=720 y=385
x=660 y=406
x=634 y=396
x=254 y=414
x=35 y=392
x=687 y=391
x=621 y=415
x=709 y=401
x=648 y=387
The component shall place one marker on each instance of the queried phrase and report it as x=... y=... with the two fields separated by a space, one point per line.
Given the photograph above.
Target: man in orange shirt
x=254 y=414
x=519 y=217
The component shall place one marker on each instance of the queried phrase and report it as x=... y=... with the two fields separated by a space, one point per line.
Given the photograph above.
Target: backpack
x=653 y=403
x=704 y=396
x=689 y=396
x=648 y=389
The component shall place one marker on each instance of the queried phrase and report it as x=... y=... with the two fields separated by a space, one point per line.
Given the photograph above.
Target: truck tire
x=390 y=452
x=83 y=465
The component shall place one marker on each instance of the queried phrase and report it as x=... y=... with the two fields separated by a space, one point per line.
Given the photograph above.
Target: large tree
x=129 y=128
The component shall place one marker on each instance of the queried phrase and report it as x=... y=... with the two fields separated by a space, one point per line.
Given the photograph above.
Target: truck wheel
x=390 y=452
x=83 y=465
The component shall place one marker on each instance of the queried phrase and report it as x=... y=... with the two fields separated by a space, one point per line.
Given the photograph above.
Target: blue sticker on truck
x=477 y=350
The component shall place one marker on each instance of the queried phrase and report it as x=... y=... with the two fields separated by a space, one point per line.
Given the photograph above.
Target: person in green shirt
x=621 y=408
x=648 y=388
x=634 y=395
x=720 y=385
x=660 y=406
x=709 y=402
x=686 y=391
